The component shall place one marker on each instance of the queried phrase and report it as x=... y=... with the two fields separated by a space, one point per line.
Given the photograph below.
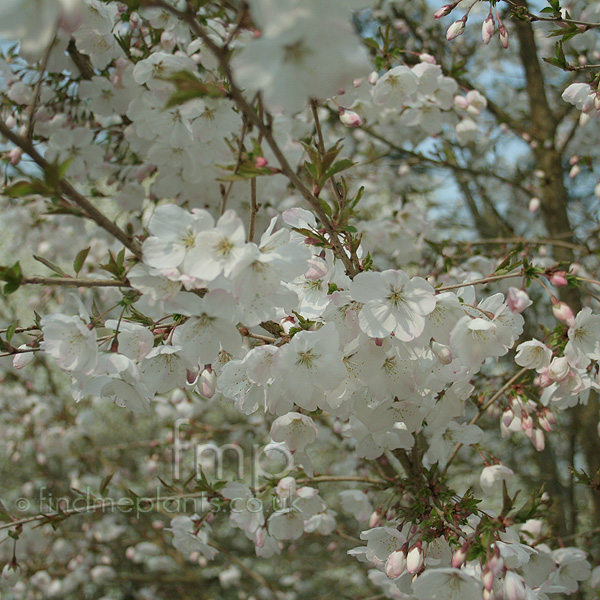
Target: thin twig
x=75 y=282
x=489 y=279
x=68 y=190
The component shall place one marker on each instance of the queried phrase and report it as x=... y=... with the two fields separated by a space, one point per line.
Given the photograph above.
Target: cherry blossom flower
x=291 y=60
x=584 y=339
x=492 y=478
x=533 y=355
x=174 y=233
x=392 y=303
x=296 y=430
x=446 y=583
x=70 y=342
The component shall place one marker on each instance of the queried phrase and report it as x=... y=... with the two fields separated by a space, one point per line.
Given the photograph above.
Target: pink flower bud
x=461 y=102
x=543 y=423
x=558 y=279
x=374 y=519
x=15 y=156
x=538 y=439
x=22 y=359
x=444 y=11
x=487 y=578
x=575 y=170
x=395 y=564
x=414 y=560
x=562 y=311
x=514 y=588
x=10 y=573
x=442 y=353
x=260 y=162
x=349 y=118
x=207 y=384
x=427 y=58
x=507 y=417
x=373 y=77
x=517 y=300
x=534 y=204
x=457 y=28
x=460 y=556
x=487 y=29
x=503 y=36
x=574 y=160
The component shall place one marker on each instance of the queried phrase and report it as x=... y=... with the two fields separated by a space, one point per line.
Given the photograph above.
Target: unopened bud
x=260 y=162
x=538 y=439
x=349 y=118
x=514 y=588
x=22 y=359
x=427 y=58
x=575 y=170
x=562 y=311
x=487 y=578
x=517 y=300
x=457 y=28
x=534 y=204
x=442 y=353
x=15 y=156
x=444 y=11
x=558 y=279
x=10 y=574
x=207 y=383
x=374 y=519
x=395 y=564
x=503 y=36
x=487 y=29
x=414 y=560
x=460 y=556
x=373 y=77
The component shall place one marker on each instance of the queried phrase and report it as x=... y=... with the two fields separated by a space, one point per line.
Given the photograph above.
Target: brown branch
x=74 y=282
x=68 y=190
x=489 y=279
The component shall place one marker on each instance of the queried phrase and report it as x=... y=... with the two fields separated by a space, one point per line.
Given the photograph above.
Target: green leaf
x=326 y=208
x=105 y=483
x=372 y=43
x=80 y=260
x=339 y=166
x=50 y=265
x=189 y=87
x=10 y=331
x=244 y=171
x=13 y=278
x=21 y=189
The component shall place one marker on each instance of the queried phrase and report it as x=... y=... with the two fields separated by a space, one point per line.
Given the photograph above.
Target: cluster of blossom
x=382 y=353
x=488 y=27
x=408 y=568
x=181 y=146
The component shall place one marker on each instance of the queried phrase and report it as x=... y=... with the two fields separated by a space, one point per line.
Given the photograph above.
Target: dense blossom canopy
x=247 y=249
